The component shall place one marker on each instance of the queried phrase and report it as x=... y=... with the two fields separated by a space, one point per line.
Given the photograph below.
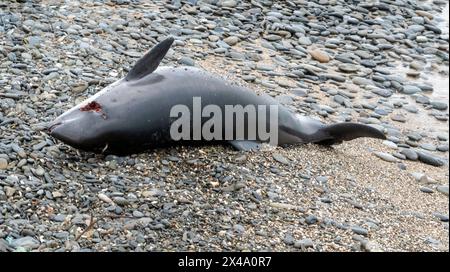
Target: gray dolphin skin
x=133 y=114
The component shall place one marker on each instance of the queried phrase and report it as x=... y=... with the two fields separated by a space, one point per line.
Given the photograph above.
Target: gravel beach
x=378 y=62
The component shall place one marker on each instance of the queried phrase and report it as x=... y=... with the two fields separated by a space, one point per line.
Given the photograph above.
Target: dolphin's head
x=88 y=125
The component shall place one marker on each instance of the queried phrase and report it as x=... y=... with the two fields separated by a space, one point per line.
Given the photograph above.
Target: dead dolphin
x=134 y=113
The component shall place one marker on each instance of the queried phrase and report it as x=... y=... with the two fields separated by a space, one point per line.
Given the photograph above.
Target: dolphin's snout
x=52 y=125
x=78 y=129
x=58 y=131
x=66 y=131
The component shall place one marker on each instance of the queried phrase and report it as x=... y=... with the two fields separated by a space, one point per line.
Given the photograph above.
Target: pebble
x=138 y=214
x=9 y=191
x=304 y=243
x=288 y=239
x=3 y=164
x=428 y=146
x=443 y=148
x=360 y=230
x=442 y=217
x=371 y=246
x=410 y=89
x=385 y=156
x=429 y=159
x=442 y=189
x=398 y=118
x=280 y=158
x=121 y=201
x=187 y=61
x=239 y=228
x=409 y=154
x=426 y=190
x=27 y=243
x=319 y=55
x=348 y=68
x=105 y=198
x=439 y=105
x=232 y=40
x=311 y=219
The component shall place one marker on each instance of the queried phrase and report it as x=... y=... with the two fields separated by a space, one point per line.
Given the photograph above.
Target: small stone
x=442 y=189
x=390 y=144
x=322 y=179
x=422 y=99
x=186 y=61
x=25 y=242
x=425 y=14
x=121 y=201
x=59 y=218
x=288 y=239
x=304 y=243
x=229 y=3
x=359 y=230
x=239 y=228
x=319 y=55
x=153 y=193
x=304 y=41
x=39 y=171
x=283 y=206
x=426 y=190
x=414 y=136
x=3 y=164
x=442 y=217
x=213 y=38
x=232 y=40
x=410 y=154
x=80 y=87
x=9 y=191
x=280 y=158
x=311 y=219
x=398 y=118
x=420 y=177
x=57 y=194
x=138 y=214
x=439 y=105
x=370 y=246
x=105 y=198
x=428 y=146
x=385 y=156
x=410 y=89
x=264 y=67
x=421 y=39
x=442 y=137
x=348 y=68
x=430 y=159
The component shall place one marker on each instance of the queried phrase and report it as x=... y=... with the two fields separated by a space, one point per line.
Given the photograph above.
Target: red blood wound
x=92 y=106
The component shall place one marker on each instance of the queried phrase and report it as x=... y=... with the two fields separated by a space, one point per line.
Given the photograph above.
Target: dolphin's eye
x=92 y=106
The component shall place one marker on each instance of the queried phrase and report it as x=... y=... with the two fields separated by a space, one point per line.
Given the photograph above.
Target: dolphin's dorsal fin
x=150 y=61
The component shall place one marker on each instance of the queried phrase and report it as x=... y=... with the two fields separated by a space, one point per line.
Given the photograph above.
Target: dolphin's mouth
x=51 y=126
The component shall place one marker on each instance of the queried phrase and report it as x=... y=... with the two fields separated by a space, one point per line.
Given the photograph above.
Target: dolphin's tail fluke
x=337 y=133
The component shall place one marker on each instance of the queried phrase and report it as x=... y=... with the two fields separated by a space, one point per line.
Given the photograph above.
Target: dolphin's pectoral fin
x=337 y=133
x=150 y=61
x=245 y=145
